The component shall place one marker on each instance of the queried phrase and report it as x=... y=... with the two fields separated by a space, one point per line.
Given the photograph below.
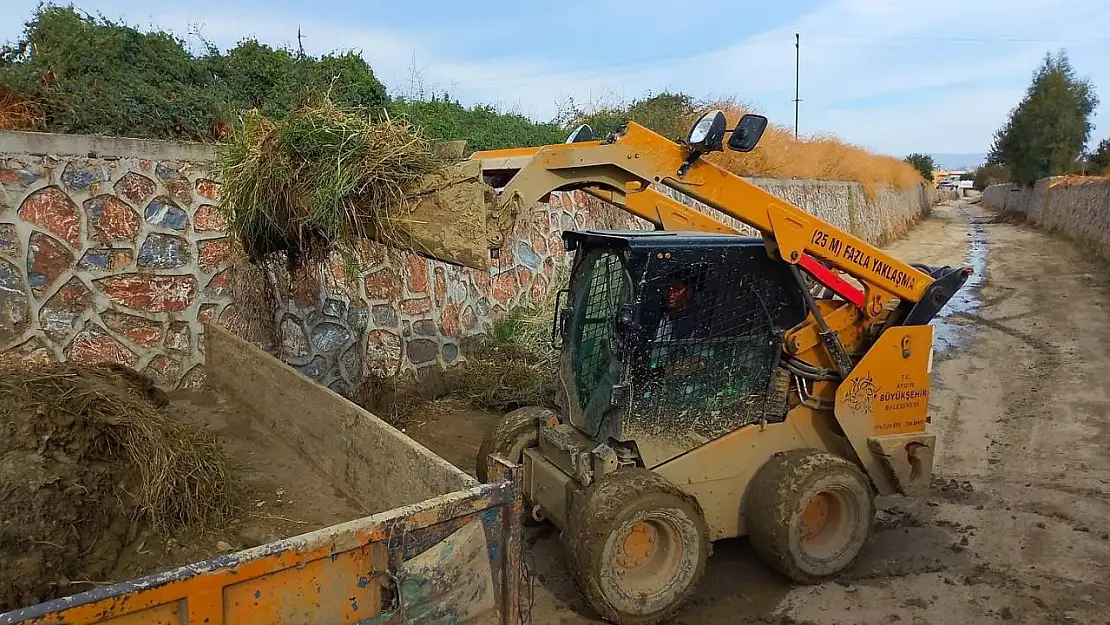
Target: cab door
x=589 y=368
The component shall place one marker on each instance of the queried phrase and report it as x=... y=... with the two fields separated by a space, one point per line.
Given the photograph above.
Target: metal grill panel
x=711 y=348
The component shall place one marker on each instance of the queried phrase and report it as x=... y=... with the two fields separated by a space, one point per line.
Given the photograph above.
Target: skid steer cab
x=713 y=385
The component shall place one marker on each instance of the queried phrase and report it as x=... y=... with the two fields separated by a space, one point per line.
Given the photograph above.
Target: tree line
x=73 y=72
x=1048 y=132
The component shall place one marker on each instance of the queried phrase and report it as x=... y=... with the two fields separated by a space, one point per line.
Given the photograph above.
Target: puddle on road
x=948 y=332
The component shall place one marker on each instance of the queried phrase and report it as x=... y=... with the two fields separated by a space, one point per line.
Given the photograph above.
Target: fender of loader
x=446 y=549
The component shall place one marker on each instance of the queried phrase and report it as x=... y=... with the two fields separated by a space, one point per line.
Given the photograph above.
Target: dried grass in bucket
x=321 y=179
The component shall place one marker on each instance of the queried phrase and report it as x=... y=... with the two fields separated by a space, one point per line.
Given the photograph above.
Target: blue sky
x=893 y=75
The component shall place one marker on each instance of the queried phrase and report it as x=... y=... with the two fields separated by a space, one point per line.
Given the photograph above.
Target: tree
x=923 y=163
x=669 y=114
x=1100 y=158
x=989 y=174
x=1048 y=129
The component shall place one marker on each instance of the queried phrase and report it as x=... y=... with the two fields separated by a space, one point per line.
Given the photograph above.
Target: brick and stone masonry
x=113 y=250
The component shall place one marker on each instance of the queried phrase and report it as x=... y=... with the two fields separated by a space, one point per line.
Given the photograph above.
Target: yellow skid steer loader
x=706 y=389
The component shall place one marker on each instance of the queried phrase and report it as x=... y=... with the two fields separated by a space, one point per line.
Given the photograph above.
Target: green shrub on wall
x=482 y=126
x=91 y=75
x=669 y=114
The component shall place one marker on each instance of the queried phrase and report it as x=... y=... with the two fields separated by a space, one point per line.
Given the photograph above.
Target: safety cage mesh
x=710 y=347
x=606 y=291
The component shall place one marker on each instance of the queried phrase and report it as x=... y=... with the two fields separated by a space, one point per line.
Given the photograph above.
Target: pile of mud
x=88 y=461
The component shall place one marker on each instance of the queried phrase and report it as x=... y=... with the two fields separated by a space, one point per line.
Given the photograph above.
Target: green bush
x=94 y=76
x=669 y=114
x=91 y=75
x=481 y=126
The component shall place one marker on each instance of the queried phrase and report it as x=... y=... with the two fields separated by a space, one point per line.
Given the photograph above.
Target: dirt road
x=1015 y=527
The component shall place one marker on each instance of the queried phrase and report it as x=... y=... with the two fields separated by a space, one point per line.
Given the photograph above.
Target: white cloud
x=884 y=73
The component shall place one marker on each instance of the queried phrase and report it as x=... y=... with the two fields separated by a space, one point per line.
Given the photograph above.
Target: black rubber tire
x=598 y=522
x=775 y=502
x=515 y=432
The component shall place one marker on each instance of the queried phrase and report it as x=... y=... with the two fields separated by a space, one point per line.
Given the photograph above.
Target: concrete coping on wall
x=798 y=182
x=93 y=146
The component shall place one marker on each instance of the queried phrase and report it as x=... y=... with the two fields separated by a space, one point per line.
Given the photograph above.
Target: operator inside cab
x=678 y=323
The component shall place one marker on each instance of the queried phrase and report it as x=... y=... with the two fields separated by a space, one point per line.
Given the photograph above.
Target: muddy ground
x=1015 y=527
x=283 y=494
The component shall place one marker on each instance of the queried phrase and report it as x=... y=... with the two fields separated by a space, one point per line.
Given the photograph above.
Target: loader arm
x=622 y=169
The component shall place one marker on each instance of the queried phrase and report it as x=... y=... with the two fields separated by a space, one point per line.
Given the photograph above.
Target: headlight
x=580 y=134
x=709 y=132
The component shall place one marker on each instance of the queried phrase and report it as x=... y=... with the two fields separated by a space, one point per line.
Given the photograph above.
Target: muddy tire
x=808 y=514
x=515 y=432
x=637 y=546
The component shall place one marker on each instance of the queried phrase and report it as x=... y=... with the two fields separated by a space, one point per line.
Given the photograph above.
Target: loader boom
x=622 y=170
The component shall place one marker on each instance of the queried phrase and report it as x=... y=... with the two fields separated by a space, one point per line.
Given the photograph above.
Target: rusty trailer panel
x=436 y=546
x=450 y=559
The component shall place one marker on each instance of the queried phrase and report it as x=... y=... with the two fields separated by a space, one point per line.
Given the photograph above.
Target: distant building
x=948 y=179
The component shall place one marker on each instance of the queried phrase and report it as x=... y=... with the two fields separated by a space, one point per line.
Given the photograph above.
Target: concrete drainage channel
x=947 y=332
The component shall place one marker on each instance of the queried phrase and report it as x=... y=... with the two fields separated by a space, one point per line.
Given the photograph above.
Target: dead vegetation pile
x=319 y=180
x=18 y=112
x=493 y=376
x=88 y=462
x=781 y=155
x=512 y=365
x=502 y=376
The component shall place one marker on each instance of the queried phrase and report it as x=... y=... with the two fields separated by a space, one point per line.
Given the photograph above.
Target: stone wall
x=111 y=249
x=406 y=313
x=112 y=256
x=1078 y=208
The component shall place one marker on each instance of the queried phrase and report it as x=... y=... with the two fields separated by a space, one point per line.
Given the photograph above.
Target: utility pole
x=797 y=73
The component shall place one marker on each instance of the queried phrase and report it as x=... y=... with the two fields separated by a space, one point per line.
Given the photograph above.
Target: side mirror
x=580 y=134
x=708 y=133
x=748 y=132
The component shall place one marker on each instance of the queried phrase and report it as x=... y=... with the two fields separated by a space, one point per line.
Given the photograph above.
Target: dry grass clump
x=513 y=364
x=510 y=366
x=397 y=400
x=18 y=112
x=181 y=476
x=1075 y=180
x=493 y=376
x=779 y=155
x=321 y=179
x=502 y=376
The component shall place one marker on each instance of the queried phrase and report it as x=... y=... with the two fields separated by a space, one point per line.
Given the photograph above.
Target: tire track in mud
x=987 y=293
